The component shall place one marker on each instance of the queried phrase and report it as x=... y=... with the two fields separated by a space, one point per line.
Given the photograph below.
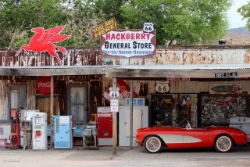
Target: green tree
x=245 y=12
x=83 y=17
x=185 y=21
x=110 y=8
x=17 y=17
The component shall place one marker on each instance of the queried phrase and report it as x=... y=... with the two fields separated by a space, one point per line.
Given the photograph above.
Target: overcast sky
x=235 y=19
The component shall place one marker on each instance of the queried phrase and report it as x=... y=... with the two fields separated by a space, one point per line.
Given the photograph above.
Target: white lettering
x=44 y=84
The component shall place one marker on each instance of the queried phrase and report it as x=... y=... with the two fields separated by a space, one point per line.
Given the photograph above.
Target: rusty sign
x=104 y=28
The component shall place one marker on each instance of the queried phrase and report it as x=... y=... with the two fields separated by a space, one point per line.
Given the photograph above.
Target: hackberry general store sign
x=128 y=43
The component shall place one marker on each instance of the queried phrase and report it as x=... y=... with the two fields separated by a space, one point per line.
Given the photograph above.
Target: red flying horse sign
x=43 y=40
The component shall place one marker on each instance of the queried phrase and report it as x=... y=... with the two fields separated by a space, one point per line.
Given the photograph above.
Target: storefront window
x=218 y=109
x=17 y=99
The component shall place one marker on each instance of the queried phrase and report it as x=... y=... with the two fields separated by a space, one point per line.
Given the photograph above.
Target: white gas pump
x=39 y=131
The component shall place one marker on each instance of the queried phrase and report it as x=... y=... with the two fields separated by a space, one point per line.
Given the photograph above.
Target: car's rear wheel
x=223 y=143
x=152 y=144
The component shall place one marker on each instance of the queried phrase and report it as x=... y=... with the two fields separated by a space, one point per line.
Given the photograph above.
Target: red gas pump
x=15 y=129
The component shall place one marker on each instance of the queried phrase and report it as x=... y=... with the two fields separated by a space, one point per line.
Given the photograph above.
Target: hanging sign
x=43 y=85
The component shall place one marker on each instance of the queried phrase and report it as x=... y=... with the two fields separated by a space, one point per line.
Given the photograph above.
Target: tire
x=223 y=144
x=152 y=144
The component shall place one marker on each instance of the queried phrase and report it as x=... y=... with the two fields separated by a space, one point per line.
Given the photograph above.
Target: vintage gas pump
x=15 y=129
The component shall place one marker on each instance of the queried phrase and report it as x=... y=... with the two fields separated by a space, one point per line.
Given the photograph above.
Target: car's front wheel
x=152 y=144
x=223 y=144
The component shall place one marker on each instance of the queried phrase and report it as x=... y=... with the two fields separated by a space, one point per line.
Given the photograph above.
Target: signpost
x=114 y=106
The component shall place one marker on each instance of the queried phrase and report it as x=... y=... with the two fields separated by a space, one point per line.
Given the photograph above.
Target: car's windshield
x=183 y=123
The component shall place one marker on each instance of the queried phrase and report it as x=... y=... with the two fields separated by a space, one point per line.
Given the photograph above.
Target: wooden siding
x=74 y=57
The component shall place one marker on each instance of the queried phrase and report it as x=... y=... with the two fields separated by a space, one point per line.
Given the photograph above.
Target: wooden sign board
x=104 y=28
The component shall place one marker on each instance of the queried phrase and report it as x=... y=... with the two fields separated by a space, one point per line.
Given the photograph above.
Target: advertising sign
x=43 y=41
x=123 y=91
x=43 y=85
x=104 y=28
x=128 y=43
x=225 y=89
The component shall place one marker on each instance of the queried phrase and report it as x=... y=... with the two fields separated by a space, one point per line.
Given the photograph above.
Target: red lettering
x=142 y=36
x=137 y=36
x=122 y=36
x=133 y=36
x=118 y=36
x=128 y=36
x=108 y=36
x=112 y=36
x=147 y=35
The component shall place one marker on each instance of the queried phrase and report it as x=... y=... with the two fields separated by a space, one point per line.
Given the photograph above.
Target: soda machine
x=39 y=131
x=63 y=135
x=105 y=124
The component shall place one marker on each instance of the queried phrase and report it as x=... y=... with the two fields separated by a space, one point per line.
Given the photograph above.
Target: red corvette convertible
x=220 y=138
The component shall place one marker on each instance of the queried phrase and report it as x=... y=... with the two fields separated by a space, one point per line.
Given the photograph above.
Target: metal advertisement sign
x=104 y=28
x=43 y=41
x=225 y=89
x=162 y=86
x=128 y=43
x=43 y=85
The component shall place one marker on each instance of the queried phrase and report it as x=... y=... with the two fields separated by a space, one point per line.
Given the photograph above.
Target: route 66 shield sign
x=148 y=27
x=162 y=86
